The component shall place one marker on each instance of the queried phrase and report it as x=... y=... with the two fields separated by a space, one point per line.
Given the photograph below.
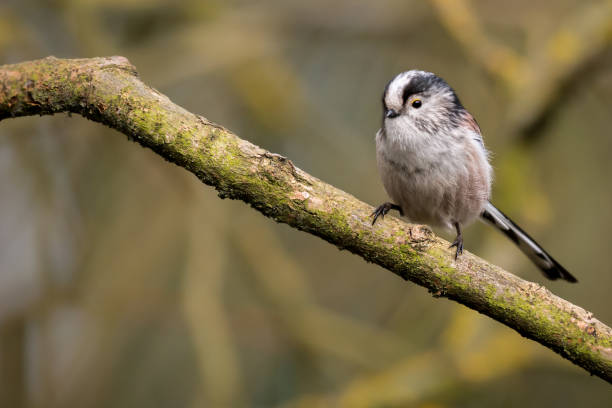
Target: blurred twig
x=537 y=80
x=498 y=59
x=205 y=313
x=317 y=327
x=107 y=90
x=418 y=378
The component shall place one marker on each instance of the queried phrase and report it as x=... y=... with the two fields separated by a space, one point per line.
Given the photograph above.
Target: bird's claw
x=458 y=243
x=380 y=211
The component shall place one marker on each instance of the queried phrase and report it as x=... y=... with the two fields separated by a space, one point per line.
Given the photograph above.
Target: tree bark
x=108 y=90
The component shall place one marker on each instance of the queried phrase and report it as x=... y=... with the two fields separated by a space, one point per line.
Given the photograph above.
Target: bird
x=435 y=167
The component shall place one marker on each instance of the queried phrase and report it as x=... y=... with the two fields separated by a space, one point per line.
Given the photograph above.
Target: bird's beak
x=391 y=113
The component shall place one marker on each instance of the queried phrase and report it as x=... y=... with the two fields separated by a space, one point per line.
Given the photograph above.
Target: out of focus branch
x=108 y=90
x=538 y=79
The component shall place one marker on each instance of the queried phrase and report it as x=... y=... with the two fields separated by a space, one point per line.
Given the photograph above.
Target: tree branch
x=108 y=90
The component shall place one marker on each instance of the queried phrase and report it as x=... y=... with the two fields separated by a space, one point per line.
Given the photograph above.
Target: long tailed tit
x=435 y=167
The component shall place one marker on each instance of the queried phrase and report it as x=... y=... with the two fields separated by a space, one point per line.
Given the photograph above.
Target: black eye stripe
x=408 y=92
x=417 y=85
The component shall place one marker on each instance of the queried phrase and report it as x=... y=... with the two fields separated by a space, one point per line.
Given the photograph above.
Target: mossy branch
x=108 y=90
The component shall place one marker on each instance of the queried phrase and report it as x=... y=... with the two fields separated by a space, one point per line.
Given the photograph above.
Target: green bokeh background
x=125 y=282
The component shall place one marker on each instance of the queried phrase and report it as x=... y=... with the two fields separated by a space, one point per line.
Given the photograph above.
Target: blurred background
x=125 y=282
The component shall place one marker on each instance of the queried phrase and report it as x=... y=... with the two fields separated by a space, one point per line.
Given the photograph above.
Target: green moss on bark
x=107 y=90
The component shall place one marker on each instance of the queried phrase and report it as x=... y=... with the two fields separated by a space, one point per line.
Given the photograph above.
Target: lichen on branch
x=108 y=90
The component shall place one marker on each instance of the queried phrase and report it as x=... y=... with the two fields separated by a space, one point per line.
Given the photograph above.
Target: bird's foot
x=458 y=242
x=383 y=209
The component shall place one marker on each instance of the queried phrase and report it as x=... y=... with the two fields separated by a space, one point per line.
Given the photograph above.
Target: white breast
x=436 y=179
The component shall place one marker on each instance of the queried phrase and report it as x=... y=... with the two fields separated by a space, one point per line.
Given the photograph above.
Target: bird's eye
x=417 y=103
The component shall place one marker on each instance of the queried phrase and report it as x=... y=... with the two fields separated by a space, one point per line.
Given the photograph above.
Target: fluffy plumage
x=435 y=167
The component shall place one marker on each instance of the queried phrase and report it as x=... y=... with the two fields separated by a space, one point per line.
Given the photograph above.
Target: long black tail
x=535 y=252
